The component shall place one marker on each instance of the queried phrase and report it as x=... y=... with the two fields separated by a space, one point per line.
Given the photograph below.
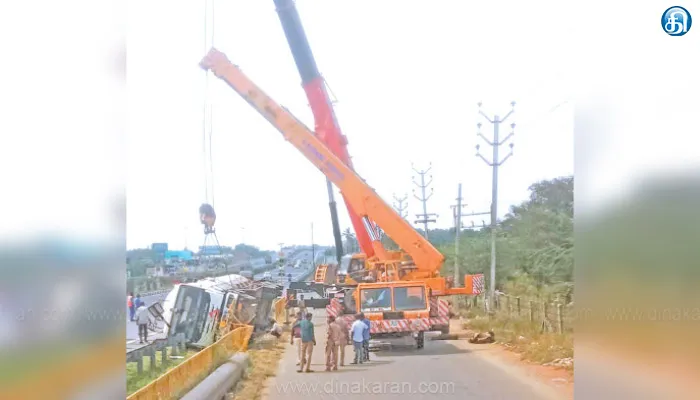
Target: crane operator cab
x=395 y=308
x=351 y=269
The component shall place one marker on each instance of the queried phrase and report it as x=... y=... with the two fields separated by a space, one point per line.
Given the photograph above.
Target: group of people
x=338 y=336
x=138 y=312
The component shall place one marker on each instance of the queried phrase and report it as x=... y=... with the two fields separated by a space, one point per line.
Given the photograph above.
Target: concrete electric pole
x=457 y=214
x=494 y=164
x=313 y=247
x=400 y=206
x=424 y=198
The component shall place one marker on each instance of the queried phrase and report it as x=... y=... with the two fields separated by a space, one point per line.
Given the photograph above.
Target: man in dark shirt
x=308 y=341
x=365 y=338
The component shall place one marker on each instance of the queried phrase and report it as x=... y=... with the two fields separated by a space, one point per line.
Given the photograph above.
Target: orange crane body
x=388 y=301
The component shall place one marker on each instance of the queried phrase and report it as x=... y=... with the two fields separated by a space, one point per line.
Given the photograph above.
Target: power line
x=494 y=164
x=424 y=198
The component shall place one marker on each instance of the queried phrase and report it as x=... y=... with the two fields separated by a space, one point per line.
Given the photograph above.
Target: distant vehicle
x=267 y=275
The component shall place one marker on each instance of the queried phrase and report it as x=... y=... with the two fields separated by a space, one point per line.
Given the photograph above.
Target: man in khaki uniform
x=344 y=340
x=295 y=337
x=333 y=338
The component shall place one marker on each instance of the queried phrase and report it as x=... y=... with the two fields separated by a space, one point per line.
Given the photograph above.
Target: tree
x=351 y=245
x=534 y=244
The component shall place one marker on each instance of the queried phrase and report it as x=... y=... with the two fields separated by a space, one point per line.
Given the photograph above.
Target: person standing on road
x=365 y=337
x=296 y=336
x=334 y=336
x=308 y=341
x=142 y=322
x=357 y=332
x=130 y=304
x=301 y=304
x=137 y=301
x=344 y=339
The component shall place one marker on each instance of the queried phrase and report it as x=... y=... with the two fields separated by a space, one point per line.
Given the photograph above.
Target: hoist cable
x=211 y=108
x=204 y=106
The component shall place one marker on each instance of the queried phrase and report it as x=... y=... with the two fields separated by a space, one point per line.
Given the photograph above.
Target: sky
x=407 y=76
x=407 y=86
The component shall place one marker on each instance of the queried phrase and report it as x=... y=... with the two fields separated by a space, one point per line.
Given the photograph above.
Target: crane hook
x=207 y=217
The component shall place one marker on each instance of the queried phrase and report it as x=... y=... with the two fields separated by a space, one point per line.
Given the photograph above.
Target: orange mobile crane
x=403 y=297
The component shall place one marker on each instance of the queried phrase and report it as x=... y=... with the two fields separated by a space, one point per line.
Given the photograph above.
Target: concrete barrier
x=221 y=381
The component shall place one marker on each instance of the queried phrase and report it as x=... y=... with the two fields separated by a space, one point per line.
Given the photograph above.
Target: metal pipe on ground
x=221 y=381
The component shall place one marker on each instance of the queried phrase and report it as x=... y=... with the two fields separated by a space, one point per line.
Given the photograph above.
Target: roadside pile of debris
x=560 y=362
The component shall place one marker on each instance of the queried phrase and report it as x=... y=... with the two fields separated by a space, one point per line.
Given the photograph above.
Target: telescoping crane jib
x=426 y=259
x=327 y=127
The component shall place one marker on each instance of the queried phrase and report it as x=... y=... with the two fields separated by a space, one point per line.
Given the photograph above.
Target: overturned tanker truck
x=206 y=309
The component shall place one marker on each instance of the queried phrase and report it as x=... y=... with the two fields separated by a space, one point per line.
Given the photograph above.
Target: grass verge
x=525 y=337
x=264 y=359
x=134 y=381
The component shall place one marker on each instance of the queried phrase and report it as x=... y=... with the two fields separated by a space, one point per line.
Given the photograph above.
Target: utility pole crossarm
x=507 y=115
x=505 y=158
x=485 y=139
x=489 y=163
x=486 y=116
x=472 y=214
x=510 y=135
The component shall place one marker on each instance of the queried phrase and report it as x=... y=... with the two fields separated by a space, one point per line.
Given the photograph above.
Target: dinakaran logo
x=676 y=21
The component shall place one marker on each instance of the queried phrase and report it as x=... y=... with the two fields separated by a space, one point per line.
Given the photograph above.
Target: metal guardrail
x=177 y=345
x=190 y=372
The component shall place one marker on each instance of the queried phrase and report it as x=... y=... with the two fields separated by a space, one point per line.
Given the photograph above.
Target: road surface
x=132 y=332
x=442 y=369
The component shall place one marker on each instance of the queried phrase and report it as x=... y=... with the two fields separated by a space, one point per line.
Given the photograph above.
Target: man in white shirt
x=141 y=319
x=357 y=333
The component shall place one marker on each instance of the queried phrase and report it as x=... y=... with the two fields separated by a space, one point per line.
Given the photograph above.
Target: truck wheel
x=420 y=340
x=445 y=330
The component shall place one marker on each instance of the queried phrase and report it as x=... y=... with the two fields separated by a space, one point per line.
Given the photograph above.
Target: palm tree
x=350 y=241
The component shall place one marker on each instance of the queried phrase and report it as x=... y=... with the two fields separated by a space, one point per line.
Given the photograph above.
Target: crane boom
x=362 y=198
x=327 y=126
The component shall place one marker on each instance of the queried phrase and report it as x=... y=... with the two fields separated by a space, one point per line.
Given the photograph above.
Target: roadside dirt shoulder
x=557 y=380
